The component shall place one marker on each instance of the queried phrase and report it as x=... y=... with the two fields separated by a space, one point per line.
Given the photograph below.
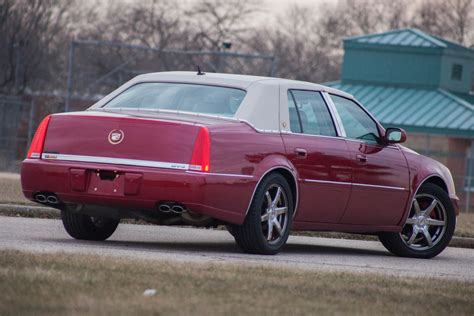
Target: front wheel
x=428 y=228
x=267 y=225
x=81 y=226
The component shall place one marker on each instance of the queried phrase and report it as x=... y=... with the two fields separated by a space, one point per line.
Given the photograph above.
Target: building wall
x=392 y=66
x=463 y=85
x=453 y=153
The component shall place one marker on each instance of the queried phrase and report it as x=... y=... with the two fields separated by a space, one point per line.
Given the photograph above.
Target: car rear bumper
x=221 y=196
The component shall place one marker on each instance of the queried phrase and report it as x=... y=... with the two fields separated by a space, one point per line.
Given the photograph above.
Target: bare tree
x=31 y=31
x=216 y=21
x=453 y=19
x=298 y=45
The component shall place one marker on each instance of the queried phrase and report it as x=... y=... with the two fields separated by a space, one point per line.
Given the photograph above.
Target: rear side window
x=180 y=97
x=309 y=113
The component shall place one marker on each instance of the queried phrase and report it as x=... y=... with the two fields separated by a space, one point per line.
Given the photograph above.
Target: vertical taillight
x=202 y=151
x=36 y=148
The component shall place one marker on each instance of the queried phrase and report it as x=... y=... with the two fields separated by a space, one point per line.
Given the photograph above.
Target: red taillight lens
x=202 y=151
x=36 y=148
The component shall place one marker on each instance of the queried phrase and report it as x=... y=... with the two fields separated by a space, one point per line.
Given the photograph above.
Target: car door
x=380 y=178
x=321 y=158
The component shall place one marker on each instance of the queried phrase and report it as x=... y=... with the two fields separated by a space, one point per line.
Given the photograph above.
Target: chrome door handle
x=361 y=158
x=301 y=152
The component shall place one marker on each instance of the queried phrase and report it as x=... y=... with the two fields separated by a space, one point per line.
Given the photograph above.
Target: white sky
x=278 y=6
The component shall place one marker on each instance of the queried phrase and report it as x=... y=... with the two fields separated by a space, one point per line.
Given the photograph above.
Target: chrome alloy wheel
x=274 y=213
x=426 y=223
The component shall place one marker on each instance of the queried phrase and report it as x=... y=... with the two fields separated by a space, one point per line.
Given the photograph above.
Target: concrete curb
x=28 y=211
x=48 y=212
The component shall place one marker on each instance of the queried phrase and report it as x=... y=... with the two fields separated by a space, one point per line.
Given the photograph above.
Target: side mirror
x=394 y=135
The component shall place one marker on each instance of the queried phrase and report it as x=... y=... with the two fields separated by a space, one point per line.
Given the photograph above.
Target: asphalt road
x=202 y=245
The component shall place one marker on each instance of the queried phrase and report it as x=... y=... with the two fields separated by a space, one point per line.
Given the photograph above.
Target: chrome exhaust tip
x=52 y=199
x=41 y=198
x=165 y=208
x=178 y=209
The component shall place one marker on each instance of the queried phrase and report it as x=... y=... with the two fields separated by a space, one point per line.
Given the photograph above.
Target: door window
x=357 y=123
x=309 y=113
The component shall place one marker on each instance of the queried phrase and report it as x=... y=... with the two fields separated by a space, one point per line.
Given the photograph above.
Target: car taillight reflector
x=200 y=160
x=36 y=148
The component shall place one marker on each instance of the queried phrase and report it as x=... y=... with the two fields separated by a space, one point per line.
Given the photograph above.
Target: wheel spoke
x=265 y=217
x=411 y=221
x=281 y=210
x=435 y=222
x=413 y=236
x=270 y=230
x=428 y=238
x=269 y=199
x=277 y=197
x=416 y=206
x=278 y=227
x=427 y=212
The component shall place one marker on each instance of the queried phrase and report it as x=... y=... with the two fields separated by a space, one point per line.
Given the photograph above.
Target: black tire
x=250 y=236
x=80 y=226
x=231 y=229
x=395 y=243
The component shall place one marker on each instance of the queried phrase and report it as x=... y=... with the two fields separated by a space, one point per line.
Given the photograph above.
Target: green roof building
x=423 y=84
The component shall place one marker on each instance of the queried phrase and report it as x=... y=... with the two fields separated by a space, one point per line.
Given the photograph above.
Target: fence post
x=30 y=123
x=274 y=66
x=69 y=75
x=468 y=193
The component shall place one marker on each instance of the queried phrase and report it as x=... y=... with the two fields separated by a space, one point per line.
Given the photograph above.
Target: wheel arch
x=290 y=176
x=435 y=179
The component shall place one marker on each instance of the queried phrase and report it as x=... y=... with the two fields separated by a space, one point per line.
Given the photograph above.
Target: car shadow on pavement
x=215 y=247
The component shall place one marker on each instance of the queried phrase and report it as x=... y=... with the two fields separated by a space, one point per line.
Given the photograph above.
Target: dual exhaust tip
x=171 y=208
x=46 y=198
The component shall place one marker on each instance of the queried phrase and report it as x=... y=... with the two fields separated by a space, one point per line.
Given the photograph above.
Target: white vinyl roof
x=261 y=105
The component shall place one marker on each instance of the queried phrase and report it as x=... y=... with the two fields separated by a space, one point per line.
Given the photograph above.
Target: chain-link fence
x=16 y=128
x=97 y=67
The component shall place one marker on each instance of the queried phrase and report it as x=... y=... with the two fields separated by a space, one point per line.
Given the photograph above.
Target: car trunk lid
x=121 y=139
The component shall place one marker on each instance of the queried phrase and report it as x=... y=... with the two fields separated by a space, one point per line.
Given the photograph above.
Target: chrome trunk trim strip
x=116 y=161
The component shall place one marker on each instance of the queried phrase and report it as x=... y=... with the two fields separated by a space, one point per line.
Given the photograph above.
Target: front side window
x=309 y=113
x=357 y=123
x=180 y=97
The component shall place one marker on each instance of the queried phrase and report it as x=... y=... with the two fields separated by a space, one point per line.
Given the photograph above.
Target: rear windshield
x=181 y=97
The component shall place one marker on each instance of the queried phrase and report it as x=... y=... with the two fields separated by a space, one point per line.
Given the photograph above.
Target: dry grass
x=465 y=225
x=10 y=189
x=74 y=284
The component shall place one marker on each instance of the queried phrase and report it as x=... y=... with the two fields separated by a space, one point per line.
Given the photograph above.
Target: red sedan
x=262 y=156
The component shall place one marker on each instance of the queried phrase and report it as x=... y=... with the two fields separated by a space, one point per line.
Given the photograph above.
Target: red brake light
x=36 y=148
x=202 y=151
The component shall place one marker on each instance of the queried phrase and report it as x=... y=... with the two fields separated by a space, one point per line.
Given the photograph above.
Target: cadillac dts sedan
x=262 y=156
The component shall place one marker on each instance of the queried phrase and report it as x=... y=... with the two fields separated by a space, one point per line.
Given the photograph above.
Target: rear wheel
x=428 y=228
x=81 y=226
x=268 y=222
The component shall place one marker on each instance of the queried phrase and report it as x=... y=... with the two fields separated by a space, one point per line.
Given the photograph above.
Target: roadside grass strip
x=66 y=284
